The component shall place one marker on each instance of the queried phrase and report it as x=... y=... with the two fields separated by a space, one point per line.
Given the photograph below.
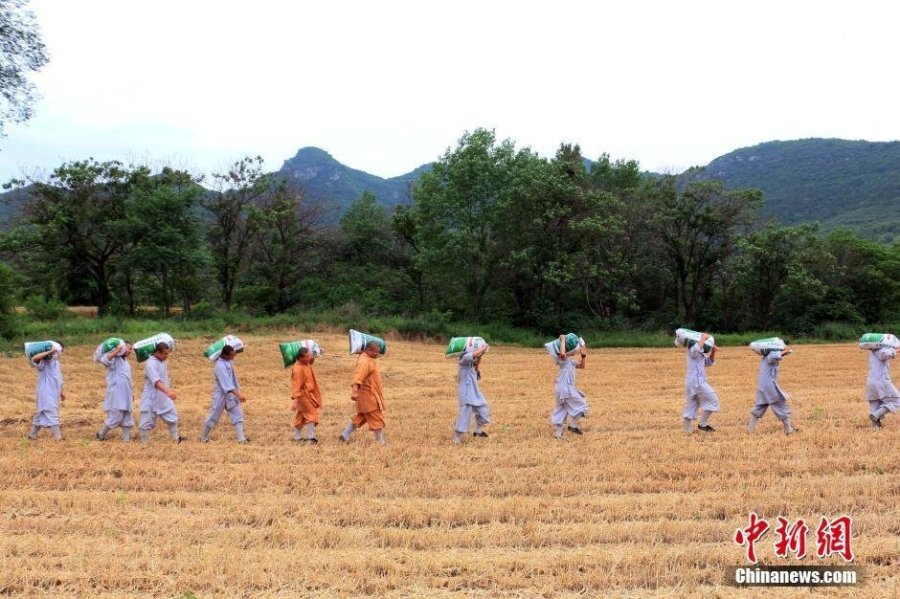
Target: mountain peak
x=310 y=154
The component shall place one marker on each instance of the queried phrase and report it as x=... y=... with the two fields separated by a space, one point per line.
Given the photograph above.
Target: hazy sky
x=385 y=86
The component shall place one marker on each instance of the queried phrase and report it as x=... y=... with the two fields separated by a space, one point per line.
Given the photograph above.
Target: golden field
x=632 y=508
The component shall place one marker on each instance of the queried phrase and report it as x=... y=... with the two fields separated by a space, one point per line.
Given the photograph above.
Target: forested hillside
x=839 y=183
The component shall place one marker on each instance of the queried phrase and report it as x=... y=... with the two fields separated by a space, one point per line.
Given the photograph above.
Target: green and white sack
x=213 y=352
x=459 y=345
x=764 y=347
x=145 y=348
x=291 y=349
x=107 y=345
x=878 y=341
x=574 y=343
x=359 y=341
x=33 y=348
x=687 y=338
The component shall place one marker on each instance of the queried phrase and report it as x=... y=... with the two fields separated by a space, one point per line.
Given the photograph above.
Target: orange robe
x=370 y=400
x=305 y=393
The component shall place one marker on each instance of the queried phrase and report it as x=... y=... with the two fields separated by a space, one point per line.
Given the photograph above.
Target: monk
x=472 y=403
x=306 y=397
x=570 y=402
x=881 y=393
x=698 y=395
x=769 y=393
x=119 y=392
x=48 y=393
x=368 y=394
x=157 y=396
x=226 y=396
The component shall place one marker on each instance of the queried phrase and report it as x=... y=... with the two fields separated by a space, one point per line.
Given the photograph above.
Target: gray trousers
x=482 y=416
x=148 y=419
x=779 y=408
x=114 y=418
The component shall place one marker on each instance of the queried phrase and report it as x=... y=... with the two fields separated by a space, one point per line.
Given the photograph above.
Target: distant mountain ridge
x=324 y=179
x=842 y=184
x=839 y=183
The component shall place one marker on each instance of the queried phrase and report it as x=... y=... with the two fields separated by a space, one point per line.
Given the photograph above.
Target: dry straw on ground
x=632 y=508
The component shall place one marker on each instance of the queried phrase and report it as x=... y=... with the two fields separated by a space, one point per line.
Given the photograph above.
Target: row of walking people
x=157 y=401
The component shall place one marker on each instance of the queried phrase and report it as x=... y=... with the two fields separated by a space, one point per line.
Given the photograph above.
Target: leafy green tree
x=777 y=274
x=21 y=53
x=405 y=230
x=229 y=233
x=697 y=225
x=166 y=233
x=457 y=208
x=283 y=250
x=613 y=245
x=557 y=231
x=870 y=272
x=375 y=269
x=75 y=226
x=10 y=291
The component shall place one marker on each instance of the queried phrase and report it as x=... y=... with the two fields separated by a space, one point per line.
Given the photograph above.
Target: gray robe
x=153 y=401
x=879 y=385
x=471 y=400
x=767 y=389
x=768 y=393
x=697 y=392
x=468 y=391
x=49 y=386
x=570 y=401
x=119 y=388
x=225 y=383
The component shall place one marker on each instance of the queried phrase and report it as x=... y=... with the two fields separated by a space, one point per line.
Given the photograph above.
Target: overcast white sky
x=385 y=86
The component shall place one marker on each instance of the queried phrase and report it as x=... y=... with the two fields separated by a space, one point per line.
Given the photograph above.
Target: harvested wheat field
x=632 y=508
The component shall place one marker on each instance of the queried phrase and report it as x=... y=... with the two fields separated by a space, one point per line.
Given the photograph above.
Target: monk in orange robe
x=306 y=397
x=367 y=392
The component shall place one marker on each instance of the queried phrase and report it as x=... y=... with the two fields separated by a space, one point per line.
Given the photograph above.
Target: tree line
x=493 y=233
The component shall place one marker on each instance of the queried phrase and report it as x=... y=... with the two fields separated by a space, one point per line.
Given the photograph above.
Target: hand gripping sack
x=687 y=338
x=107 y=345
x=359 y=341
x=291 y=349
x=213 y=352
x=878 y=341
x=33 y=348
x=145 y=348
x=764 y=347
x=459 y=345
x=573 y=344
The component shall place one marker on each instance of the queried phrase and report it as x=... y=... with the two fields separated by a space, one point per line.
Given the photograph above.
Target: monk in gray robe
x=570 y=402
x=881 y=393
x=226 y=396
x=119 y=393
x=157 y=396
x=48 y=393
x=698 y=395
x=471 y=400
x=769 y=394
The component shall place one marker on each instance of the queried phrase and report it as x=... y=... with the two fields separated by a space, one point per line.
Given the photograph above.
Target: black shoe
x=180 y=439
x=576 y=430
x=481 y=434
x=875 y=421
x=313 y=441
x=342 y=439
x=299 y=441
x=706 y=429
